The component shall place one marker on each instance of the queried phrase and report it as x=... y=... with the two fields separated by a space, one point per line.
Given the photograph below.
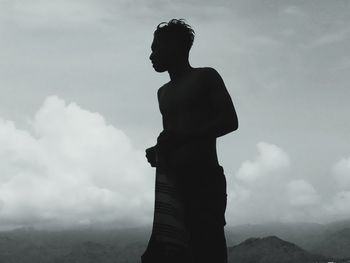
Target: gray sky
x=78 y=107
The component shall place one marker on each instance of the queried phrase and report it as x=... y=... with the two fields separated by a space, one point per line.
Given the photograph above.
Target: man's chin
x=159 y=69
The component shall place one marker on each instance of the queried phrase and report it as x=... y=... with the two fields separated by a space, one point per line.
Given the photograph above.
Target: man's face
x=161 y=55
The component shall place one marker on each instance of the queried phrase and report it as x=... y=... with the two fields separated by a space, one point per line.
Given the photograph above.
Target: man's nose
x=151 y=56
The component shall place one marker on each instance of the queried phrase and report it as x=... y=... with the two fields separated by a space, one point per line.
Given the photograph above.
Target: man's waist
x=186 y=157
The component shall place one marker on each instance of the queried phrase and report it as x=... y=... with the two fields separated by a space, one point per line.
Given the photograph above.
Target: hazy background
x=78 y=107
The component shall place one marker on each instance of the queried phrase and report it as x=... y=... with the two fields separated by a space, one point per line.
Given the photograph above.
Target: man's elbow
x=232 y=120
x=236 y=125
x=233 y=126
x=233 y=123
x=229 y=127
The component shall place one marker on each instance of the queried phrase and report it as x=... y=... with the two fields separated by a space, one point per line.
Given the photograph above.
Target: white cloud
x=239 y=193
x=264 y=190
x=302 y=193
x=339 y=206
x=341 y=171
x=71 y=167
x=253 y=191
x=270 y=159
x=341 y=202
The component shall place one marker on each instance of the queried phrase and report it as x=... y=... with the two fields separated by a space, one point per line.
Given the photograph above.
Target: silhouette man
x=190 y=185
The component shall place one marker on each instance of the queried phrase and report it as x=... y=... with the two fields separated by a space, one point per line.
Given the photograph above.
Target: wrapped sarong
x=186 y=200
x=168 y=222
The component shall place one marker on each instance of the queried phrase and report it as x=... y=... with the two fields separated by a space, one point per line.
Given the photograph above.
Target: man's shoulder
x=207 y=70
x=208 y=73
x=210 y=77
x=162 y=88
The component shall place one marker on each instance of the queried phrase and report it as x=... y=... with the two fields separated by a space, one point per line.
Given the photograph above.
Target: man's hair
x=176 y=30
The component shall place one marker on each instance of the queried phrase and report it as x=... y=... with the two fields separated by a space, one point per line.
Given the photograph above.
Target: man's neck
x=179 y=70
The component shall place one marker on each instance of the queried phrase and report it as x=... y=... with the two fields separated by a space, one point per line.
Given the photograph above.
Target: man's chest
x=184 y=98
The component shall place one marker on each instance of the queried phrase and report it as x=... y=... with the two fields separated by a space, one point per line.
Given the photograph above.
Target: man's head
x=172 y=41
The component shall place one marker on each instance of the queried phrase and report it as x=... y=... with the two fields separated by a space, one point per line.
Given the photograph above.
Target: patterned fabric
x=168 y=222
x=189 y=216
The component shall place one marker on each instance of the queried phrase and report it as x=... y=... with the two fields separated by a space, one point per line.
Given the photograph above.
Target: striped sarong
x=168 y=222
x=189 y=203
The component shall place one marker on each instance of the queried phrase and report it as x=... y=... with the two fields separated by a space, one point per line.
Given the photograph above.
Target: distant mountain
x=338 y=225
x=84 y=245
x=305 y=235
x=332 y=240
x=271 y=250
x=335 y=244
x=89 y=252
x=27 y=245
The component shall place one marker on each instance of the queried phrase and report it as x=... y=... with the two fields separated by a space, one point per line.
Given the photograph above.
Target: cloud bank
x=71 y=168
x=339 y=206
x=266 y=189
x=270 y=159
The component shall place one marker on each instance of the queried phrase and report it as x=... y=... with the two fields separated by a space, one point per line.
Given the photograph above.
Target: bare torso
x=184 y=108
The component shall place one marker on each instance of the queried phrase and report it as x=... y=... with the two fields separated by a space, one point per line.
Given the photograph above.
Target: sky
x=78 y=108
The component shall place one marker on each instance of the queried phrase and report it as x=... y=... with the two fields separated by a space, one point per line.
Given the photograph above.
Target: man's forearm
x=213 y=129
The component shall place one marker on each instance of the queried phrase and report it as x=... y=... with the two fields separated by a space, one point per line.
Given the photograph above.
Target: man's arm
x=224 y=118
x=151 y=152
x=151 y=156
x=166 y=142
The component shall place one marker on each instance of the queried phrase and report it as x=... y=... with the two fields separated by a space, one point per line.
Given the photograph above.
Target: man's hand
x=157 y=154
x=167 y=142
x=151 y=156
